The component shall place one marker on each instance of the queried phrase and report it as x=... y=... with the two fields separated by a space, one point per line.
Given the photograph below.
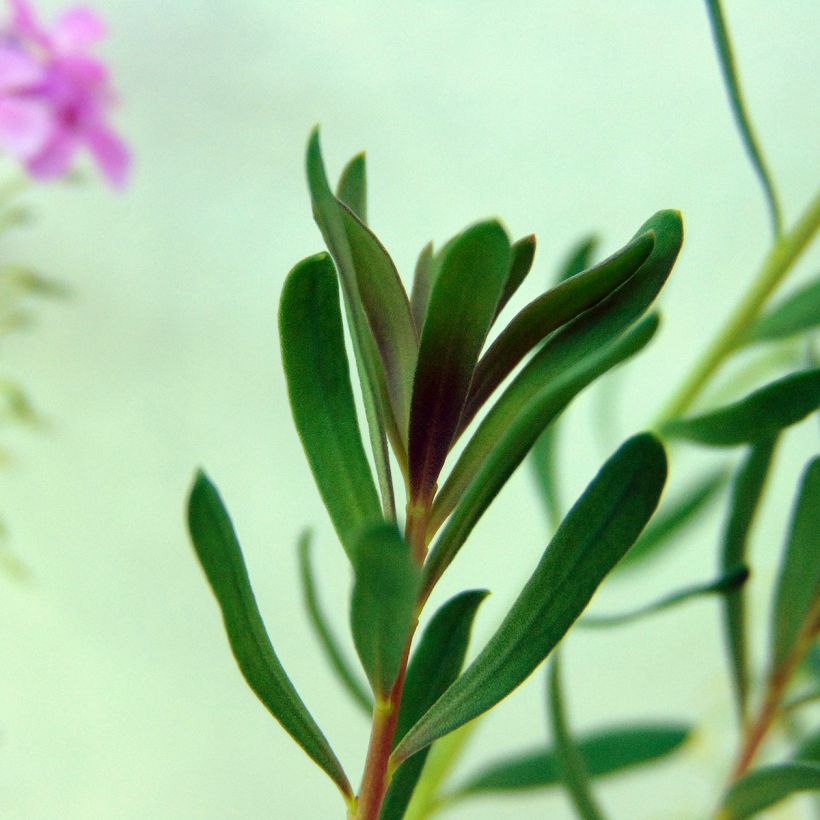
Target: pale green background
x=118 y=696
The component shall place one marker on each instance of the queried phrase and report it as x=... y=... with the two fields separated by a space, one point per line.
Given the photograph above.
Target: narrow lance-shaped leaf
x=593 y=537
x=767 y=786
x=761 y=414
x=542 y=316
x=219 y=554
x=471 y=274
x=570 y=761
x=352 y=188
x=435 y=664
x=672 y=517
x=744 y=125
x=795 y=314
x=422 y=285
x=388 y=313
x=327 y=640
x=583 y=337
x=512 y=446
x=747 y=490
x=798 y=584
x=374 y=281
x=726 y=583
x=521 y=258
x=543 y=456
x=604 y=753
x=382 y=603
x=321 y=396
x=380 y=419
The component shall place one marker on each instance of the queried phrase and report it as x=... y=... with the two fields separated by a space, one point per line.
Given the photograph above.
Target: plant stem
x=778 y=262
x=775 y=689
x=376 y=777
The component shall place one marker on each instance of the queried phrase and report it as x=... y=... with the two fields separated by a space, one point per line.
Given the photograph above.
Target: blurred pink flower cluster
x=54 y=96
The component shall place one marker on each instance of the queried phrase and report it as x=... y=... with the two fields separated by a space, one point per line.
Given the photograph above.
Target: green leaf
x=382 y=604
x=585 y=336
x=579 y=258
x=219 y=554
x=744 y=125
x=352 y=188
x=470 y=276
x=388 y=313
x=327 y=210
x=726 y=583
x=808 y=749
x=798 y=583
x=604 y=753
x=521 y=257
x=435 y=664
x=766 y=786
x=761 y=414
x=795 y=314
x=422 y=285
x=543 y=455
x=478 y=476
x=321 y=397
x=327 y=640
x=555 y=308
x=596 y=533
x=570 y=762
x=746 y=492
x=672 y=517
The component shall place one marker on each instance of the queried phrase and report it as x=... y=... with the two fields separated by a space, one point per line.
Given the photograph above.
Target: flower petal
x=25 y=126
x=110 y=153
x=77 y=29
x=54 y=160
x=18 y=69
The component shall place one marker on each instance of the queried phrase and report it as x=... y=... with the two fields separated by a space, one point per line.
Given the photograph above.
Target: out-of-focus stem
x=777 y=264
x=775 y=689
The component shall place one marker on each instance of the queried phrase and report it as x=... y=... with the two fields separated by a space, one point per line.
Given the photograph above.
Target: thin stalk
x=744 y=124
x=777 y=264
x=779 y=679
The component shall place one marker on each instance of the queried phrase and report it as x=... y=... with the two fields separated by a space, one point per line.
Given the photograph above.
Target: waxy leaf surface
x=541 y=317
x=434 y=665
x=521 y=258
x=321 y=396
x=381 y=422
x=761 y=414
x=422 y=285
x=352 y=188
x=470 y=276
x=220 y=555
x=604 y=752
x=593 y=537
x=798 y=584
x=583 y=337
x=382 y=603
x=478 y=476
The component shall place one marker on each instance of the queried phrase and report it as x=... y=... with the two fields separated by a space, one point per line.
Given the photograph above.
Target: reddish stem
x=376 y=777
x=775 y=689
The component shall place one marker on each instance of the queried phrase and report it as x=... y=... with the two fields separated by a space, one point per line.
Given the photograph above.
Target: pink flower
x=54 y=96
